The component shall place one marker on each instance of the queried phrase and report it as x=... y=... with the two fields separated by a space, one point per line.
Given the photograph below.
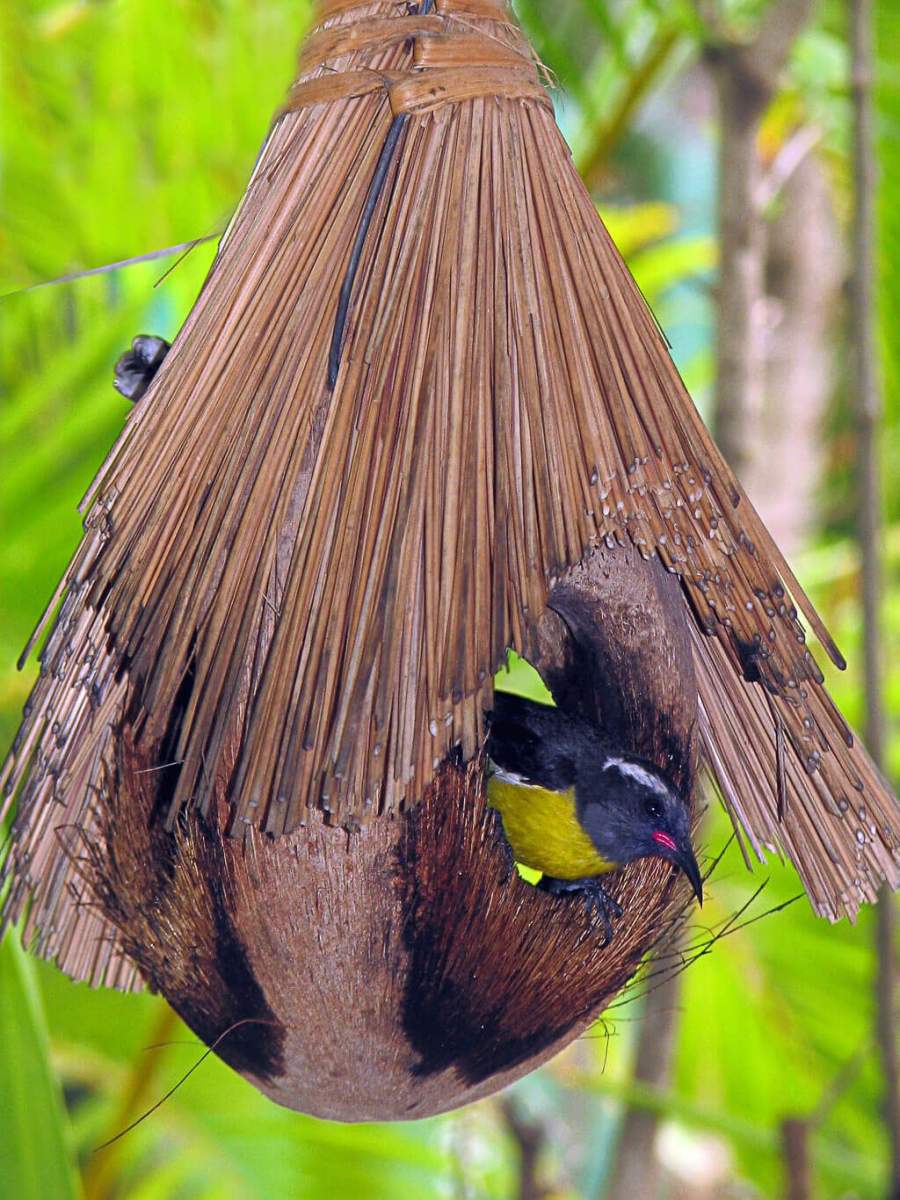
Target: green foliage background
x=128 y=125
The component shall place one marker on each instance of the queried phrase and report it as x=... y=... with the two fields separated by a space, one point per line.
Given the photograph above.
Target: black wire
x=340 y=320
x=375 y=188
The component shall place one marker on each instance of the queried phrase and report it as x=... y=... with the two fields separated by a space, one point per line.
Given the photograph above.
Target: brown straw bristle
x=300 y=594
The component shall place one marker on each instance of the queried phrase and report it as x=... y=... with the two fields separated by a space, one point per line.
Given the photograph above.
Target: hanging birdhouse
x=419 y=415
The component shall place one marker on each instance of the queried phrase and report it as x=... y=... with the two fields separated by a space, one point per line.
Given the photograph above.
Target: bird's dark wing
x=533 y=741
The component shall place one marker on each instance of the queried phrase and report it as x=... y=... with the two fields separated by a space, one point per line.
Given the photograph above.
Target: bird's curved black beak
x=683 y=857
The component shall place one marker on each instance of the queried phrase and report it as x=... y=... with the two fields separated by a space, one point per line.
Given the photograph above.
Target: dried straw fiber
x=300 y=594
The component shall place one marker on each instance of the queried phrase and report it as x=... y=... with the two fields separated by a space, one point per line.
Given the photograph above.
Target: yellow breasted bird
x=575 y=806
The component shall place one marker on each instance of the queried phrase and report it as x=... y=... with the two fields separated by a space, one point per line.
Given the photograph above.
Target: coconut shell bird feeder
x=419 y=414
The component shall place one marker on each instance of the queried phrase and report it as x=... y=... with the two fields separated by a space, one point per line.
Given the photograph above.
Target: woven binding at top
x=452 y=58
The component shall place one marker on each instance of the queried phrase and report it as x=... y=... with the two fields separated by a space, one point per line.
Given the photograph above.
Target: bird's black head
x=137 y=367
x=630 y=810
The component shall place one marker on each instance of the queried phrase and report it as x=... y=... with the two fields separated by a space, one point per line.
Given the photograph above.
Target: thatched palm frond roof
x=299 y=593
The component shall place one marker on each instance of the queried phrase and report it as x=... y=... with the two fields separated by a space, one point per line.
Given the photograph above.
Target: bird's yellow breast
x=544 y=831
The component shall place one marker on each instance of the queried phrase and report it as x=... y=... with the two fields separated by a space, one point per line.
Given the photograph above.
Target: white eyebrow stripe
x=510 y=776
x=647 y=778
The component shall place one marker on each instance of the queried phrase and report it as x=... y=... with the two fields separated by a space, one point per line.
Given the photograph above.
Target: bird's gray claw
x=597 y=899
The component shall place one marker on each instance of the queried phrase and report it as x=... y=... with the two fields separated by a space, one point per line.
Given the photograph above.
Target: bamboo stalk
x=869 y=413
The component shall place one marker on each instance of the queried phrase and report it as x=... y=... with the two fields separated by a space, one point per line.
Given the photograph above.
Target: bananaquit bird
x=575 y=806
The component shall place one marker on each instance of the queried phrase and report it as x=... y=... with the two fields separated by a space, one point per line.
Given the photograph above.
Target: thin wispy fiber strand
x=298 y=595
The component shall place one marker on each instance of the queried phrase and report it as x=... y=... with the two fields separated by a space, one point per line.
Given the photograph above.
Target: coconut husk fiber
x=419 y=414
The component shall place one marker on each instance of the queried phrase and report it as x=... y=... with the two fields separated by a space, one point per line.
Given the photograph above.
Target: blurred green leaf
x=633 y=227
x=35 y=1154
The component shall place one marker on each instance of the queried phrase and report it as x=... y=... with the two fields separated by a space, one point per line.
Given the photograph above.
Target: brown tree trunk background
x=805 y=273
x=637 y=1170
x=746 y=75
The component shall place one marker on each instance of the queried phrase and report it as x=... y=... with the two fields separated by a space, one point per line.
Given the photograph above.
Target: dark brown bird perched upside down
x=575 y=806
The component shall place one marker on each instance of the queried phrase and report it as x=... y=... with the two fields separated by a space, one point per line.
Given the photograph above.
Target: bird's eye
x=654 y=810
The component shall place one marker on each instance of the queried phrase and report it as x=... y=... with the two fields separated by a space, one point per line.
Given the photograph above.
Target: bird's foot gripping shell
x=598 y=901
